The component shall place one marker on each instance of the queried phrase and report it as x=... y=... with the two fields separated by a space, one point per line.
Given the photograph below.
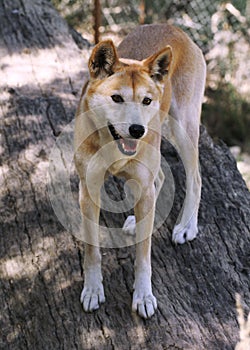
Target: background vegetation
x=220 y=28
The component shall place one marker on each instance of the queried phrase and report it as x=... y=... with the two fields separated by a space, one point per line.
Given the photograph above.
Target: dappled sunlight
x=40 y=67
x=36 y=155
x=28 y=264
x=18 y=267
x=138 y=330
x=15 y=71
x=96 y=338
x=228 y=58
x=4 y=96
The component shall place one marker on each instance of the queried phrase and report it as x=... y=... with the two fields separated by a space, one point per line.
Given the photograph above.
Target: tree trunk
x=42 y=71
x=97 y=20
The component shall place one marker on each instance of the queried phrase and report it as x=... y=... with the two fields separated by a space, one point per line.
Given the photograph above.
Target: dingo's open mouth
x=126 y=146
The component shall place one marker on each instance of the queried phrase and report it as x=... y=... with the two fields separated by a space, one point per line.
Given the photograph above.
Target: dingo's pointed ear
x=103 y=60
x=159 y=63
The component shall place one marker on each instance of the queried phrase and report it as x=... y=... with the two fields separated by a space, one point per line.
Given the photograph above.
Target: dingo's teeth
x=126 y=146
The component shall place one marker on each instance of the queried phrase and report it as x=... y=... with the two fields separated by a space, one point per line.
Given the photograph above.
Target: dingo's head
x=125 y=94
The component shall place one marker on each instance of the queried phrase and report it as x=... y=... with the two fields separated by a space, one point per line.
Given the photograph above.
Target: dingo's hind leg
x=184 y=122
x=185 y=131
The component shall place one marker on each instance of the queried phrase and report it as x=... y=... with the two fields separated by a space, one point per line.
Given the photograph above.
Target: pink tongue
x=128 y=145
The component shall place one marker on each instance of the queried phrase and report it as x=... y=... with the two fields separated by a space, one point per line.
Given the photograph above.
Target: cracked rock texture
x=42 y=70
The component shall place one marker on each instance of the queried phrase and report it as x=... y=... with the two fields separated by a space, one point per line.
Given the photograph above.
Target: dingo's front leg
x=92 y=294
x=144 y=301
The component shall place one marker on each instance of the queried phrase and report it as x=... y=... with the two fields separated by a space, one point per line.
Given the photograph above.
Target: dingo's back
x=188 y=66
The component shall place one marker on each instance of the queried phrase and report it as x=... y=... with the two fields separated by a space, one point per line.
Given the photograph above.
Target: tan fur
x=160 y=70
x=244 y=343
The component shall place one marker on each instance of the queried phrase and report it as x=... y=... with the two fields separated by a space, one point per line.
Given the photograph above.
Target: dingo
x=156 y=70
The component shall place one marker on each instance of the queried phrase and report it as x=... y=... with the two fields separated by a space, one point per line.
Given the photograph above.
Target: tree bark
x=42 y=71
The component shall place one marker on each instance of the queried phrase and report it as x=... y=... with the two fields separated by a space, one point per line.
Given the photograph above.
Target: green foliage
x=240 y=5
x=75 y=12
x=227 y=115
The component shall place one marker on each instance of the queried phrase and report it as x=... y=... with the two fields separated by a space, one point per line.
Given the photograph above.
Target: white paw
x=183 y=234
x=92 y=297
x=144 y=304
x=129 y=225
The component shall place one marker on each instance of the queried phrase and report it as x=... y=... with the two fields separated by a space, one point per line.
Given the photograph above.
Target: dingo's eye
x=146 y=101
x=117 y=98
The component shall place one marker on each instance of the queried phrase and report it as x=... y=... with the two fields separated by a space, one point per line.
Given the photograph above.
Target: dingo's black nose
x=136 y=130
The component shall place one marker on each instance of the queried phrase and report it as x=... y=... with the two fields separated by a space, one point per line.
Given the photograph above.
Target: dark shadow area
x=227 y=116
x=18 y=19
